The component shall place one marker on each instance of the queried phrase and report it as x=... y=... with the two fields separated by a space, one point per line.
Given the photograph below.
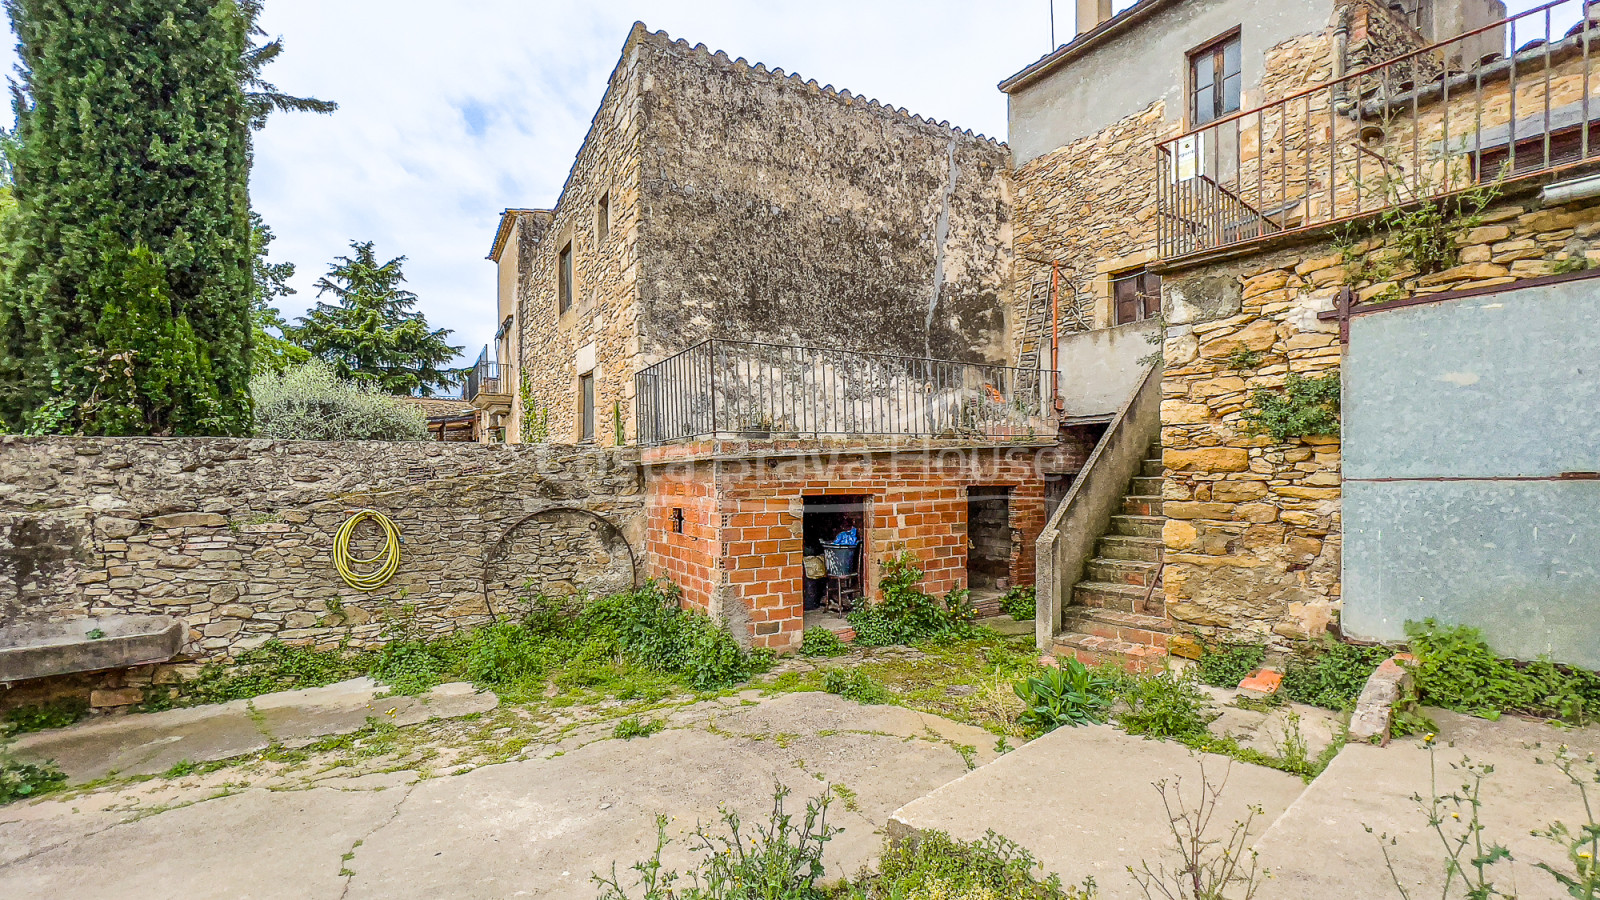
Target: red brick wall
x=917 y=501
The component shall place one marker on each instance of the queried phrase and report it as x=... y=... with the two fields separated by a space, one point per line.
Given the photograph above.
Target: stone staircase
x=1115 y=615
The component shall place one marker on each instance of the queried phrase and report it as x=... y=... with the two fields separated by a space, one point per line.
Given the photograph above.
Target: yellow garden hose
x=390 y=554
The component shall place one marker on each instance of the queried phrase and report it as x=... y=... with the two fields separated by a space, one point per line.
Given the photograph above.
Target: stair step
x=1132 y=628
x=1119 y=597
x=1139 y=505
x=1122 y=546
x=1152 y=468
x=1091 y=650
x=1121 y=571
x=1137 y=526
x=1142 y=486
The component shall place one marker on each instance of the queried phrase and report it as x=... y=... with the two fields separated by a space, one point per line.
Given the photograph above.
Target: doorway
x=824 y=520
x=989 y=542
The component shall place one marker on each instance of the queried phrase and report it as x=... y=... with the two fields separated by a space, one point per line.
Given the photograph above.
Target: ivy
x=1305 y=406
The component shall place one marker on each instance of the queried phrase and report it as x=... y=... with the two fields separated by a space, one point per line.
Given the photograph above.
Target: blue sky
x=452 y=112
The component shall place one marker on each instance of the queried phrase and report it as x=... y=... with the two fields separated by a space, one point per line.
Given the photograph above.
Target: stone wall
x=784 y=211
x=236 y=536
x=1254 y=528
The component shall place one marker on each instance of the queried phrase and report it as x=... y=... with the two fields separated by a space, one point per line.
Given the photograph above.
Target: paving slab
x=1084 y=801
x=151 y=743
x=1320 y=847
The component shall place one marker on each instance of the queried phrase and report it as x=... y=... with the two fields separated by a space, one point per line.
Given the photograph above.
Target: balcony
x=487 y=385
x=740 y=389
x=1425 y=124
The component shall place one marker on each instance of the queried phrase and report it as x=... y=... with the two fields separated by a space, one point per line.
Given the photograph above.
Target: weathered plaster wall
x=1100 y=369
x=236 y=536
x=778 y=210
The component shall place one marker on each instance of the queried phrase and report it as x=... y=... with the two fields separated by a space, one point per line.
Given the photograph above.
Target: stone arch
x=561 y=550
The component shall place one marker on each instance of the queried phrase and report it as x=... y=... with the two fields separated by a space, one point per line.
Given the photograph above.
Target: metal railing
x=754 y=390
x=483 y=379
x=1425 y=124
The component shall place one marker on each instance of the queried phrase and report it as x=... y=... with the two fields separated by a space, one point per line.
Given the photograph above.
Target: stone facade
x=725 y=520
x=236 y=536
x=747 y=204
x=1254 y=530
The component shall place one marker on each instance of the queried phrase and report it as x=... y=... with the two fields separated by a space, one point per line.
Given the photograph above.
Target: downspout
x=1055 y=337
x=1341 y=52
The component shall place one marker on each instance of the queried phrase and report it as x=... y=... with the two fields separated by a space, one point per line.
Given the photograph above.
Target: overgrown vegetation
x=628 y=644
x=1164 y=706
x=1333 y=676
x=310 y=403
x=1304 y=407
x=1020 y=603
x=1457 y=670
x=908 y=615
x=633 y=726
x=55 y=714
x=818 y=641
x=1208 y=867
x=856 y=685
x=1064 y=694
x=20 y=780
x=936 y=865
x=1243 y=359
x=1224 y=665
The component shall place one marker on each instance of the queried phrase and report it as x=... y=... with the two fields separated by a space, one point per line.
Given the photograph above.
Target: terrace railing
x=483 y=380
x=754 y=390
x=1425 y=124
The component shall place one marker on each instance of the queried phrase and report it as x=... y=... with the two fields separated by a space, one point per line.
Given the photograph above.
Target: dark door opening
x=989 y=545
x=825 y=519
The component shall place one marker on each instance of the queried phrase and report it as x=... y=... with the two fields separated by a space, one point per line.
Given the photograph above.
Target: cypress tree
x=126 y=304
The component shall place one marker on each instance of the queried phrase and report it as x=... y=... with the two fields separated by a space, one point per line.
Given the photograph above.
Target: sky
x=450 y=113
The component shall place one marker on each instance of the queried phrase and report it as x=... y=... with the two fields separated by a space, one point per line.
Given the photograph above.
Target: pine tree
x=126 y=306
x=273 y=351
x=373 y=336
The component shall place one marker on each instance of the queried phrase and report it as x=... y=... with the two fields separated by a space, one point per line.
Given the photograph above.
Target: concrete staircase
x=1117 y=614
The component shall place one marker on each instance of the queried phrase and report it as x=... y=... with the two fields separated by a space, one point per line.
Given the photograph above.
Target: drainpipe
x=1055 y=337
x=1341 y=52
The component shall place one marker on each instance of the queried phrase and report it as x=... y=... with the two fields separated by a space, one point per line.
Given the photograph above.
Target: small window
x=586 y=395
x=677 y=520
x=602 y=219
x=1215 y=81
x=564 y=280
x=1136 y=295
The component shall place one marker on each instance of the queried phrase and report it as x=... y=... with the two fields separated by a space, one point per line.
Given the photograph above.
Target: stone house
x=1287 y=162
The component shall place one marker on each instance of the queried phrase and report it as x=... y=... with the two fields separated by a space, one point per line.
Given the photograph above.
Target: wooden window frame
x=1215 y=48
x=1146 y=297
x=586 y=408
x=564 y=278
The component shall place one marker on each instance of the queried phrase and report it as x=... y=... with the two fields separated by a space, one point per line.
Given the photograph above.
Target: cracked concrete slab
x=151 y=743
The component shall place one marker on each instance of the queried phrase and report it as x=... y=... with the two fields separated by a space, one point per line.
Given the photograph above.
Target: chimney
x=1091 y=13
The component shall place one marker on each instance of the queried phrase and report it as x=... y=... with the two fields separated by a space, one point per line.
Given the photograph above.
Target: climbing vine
x=1305 y=406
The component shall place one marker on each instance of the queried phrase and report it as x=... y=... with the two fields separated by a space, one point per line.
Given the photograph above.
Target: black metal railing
x=754 y=390
x=483 y=379
x=1510 y=100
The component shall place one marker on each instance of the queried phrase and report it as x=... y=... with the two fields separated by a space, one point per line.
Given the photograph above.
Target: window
x=677 y=520
x=1215 y=81
x=586 y=399
x=564 y=280
x=602 y=219
x=1136 y=296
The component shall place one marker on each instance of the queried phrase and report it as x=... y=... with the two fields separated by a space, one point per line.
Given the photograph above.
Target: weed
x=1165 y=706
x=1455 y=818
x=1456 y=670
x=1225 y=665
x=1333 y=676
x=1582 y=845
x=633 y=727
x=183 y=768
x=857 y=686
x=1243 y=359
x=1210 y=868
x=1020 y=603
x=95 y=634
x=1305 y=406
x=781 y=860
x=821 y=642
x=20 y=780
x=56 y=714
x=906 y=615
x=936 y=865
x=1065 y=694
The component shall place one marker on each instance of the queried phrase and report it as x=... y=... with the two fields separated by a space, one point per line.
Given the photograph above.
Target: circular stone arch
x=560 y=551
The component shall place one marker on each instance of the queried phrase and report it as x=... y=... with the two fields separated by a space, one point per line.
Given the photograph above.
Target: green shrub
x=1165 y=706
x=856 y=685
x=55 y=714
x=1305 y=406
x=310 y=403
x=1020 y=603
x=1457 y=670
x=906 y=615
x=1225 y=665
x=821 y=642
x=936 y=865
x=1064 y=694
x=780 y=860
x=1332 y=677
x=20 y=780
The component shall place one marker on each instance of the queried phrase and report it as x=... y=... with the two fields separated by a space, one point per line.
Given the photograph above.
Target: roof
x=1083 y=43
x=438 y=407
x=502 y=234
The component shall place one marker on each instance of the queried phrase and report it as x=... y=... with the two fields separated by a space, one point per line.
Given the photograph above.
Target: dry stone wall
x=236 y=536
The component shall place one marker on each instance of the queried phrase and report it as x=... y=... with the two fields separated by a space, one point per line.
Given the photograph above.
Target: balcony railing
x=483 y=380
x=744 y=389
x=1425 y=124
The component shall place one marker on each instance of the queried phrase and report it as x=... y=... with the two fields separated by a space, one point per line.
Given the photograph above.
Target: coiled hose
x=347 y=564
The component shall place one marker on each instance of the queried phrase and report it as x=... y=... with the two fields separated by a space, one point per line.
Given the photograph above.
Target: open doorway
x=989 y=544
x=826 y=520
